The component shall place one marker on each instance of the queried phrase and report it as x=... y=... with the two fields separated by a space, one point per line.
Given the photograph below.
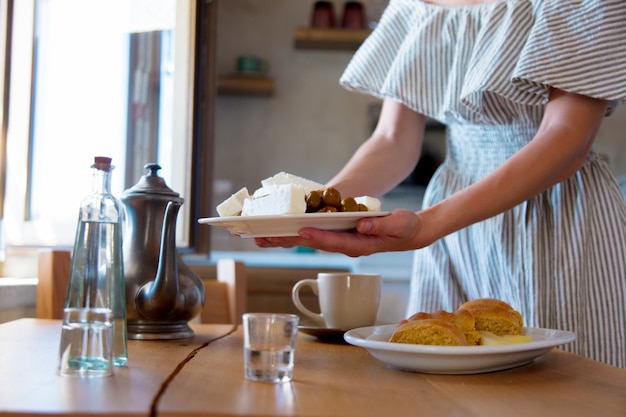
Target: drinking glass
x=269 y=346
x=86 y=347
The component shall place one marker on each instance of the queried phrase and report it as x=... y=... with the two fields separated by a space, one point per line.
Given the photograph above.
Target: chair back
x=225 y=294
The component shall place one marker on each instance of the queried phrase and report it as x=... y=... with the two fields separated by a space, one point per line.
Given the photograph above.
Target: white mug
x=346 y=300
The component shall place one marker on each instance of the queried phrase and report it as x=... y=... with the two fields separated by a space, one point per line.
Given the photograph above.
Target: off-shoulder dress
x=485 y=71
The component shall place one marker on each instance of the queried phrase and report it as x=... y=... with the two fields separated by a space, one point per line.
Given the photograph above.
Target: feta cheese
x=284 y=199
x=269 y=189
x=372 y=204
x=285 y=178
x=233 y=205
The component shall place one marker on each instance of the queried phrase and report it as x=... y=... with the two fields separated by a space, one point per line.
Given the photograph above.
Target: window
x=114 y=78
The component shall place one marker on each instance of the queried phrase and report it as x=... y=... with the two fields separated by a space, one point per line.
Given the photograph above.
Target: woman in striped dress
x=522 y=209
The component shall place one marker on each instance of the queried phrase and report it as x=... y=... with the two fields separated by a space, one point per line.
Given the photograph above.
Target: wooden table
x=203 y=376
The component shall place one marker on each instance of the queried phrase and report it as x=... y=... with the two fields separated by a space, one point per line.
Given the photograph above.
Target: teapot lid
x=151 y=183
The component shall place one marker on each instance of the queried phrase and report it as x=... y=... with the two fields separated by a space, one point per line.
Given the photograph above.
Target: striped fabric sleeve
x=577 y=46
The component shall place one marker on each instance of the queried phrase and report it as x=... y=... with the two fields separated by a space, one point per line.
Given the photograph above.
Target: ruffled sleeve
x=577 y=46
x=493 y=62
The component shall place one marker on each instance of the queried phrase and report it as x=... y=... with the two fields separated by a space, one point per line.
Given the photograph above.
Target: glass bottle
x=97 y=271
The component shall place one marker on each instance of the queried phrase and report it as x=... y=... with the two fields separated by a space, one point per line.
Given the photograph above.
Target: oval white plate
x=455 y=359
x=288 y=224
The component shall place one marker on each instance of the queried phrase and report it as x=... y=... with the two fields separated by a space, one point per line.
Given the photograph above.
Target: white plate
x=289 y=224
x=455 y=359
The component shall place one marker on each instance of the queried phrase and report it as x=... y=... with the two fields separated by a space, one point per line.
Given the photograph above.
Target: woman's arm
x=387 y=157
x=557 y=151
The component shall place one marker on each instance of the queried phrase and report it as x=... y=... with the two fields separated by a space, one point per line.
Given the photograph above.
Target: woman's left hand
x=399 y=231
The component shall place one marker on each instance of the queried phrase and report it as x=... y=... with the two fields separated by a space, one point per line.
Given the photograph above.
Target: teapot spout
x=157 y=299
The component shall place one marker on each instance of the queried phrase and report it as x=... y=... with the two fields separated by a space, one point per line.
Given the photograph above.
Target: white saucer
x=322 y=333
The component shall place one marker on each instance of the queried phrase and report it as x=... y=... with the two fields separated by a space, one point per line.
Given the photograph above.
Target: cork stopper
x=103 y=163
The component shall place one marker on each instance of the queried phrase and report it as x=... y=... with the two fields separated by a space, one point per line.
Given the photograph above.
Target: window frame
x=203 y=131
x=203 y=96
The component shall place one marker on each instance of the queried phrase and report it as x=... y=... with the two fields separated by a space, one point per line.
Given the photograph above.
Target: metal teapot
x=162 y=293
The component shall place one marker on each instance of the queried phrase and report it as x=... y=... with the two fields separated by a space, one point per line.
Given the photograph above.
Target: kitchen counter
x=394 y=266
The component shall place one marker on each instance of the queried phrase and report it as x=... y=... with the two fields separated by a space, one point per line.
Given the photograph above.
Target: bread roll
x=461 y=327
x=466 y=322
x=462 y=319
x=429 y=332
x=495 y=316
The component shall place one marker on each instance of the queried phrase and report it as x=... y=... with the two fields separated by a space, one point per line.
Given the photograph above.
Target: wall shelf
x=329 y=39
x=244 y=84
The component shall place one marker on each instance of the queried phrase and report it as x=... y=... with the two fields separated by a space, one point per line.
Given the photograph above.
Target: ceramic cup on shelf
x=251 y=64
x=353 y=15
x=347 y=300
x=323 y=15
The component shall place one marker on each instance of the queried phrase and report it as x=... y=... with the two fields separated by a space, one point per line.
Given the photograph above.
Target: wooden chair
x=53 y=272
x=225 y=294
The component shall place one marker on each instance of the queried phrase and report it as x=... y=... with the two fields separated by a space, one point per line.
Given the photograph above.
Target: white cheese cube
x=232 y=205
x=269 y=189
x=285 y=178
x=372 y=203
x=285 y=199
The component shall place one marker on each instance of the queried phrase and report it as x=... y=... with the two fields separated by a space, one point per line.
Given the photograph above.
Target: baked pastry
x=477 y=322
x=429 y=332
x=495 y=316
x=489 y=302
x=461 y=318
x=466 y=322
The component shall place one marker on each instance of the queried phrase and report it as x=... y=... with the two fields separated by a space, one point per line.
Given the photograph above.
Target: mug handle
x=295 y=295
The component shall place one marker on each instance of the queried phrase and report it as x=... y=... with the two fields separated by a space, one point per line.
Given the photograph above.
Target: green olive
x=363 y=207
x=328 y=209
x=349 y=204
x=313 y=201
x=331 y=197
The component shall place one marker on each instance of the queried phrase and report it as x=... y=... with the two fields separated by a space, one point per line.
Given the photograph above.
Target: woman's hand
x=399 y=231
x=380 y=163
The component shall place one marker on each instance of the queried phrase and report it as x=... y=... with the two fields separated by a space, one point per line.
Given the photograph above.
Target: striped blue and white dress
x=485 y=71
